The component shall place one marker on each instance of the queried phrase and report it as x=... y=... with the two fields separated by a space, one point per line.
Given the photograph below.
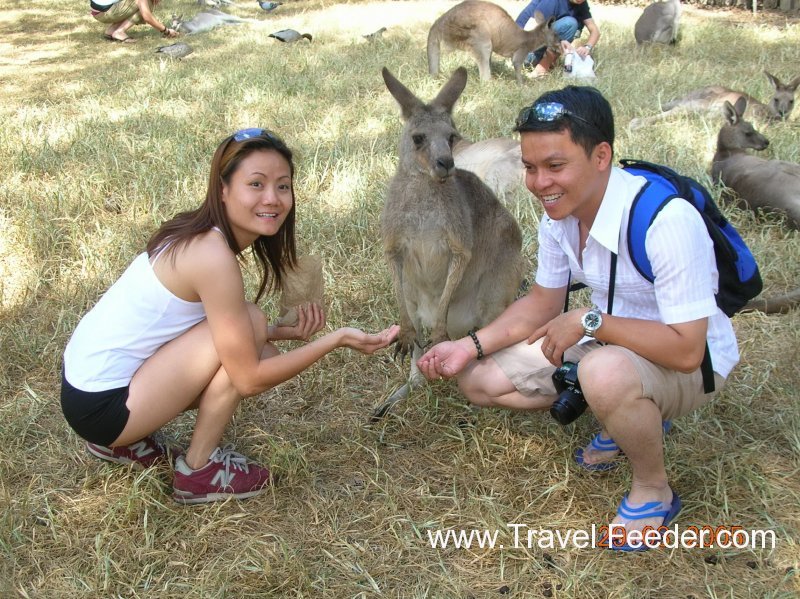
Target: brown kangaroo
x=453 y=249
x=768 y=184
x=713 y=98
x=482 y=28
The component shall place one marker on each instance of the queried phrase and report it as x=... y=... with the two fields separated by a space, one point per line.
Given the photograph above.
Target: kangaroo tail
x=775 y=305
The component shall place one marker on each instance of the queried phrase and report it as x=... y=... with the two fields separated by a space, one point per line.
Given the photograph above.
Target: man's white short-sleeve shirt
x=680 y=251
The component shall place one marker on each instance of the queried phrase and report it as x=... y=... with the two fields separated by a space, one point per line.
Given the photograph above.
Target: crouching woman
x=121 y=15
x=175 y=332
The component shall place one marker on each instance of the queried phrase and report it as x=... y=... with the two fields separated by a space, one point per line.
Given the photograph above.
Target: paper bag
x=302 y=284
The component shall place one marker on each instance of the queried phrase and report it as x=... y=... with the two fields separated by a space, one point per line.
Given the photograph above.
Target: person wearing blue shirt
x=571 y=17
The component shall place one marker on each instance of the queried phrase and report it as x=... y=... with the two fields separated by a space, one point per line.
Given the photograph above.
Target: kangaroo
x=453 y=249
x=658 y=23
x=713 y=98
x=482 y=28
x=769 y=184
x=497 y=161
x=207 y=20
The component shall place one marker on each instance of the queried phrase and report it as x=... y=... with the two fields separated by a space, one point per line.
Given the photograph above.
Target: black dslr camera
x=570 y=403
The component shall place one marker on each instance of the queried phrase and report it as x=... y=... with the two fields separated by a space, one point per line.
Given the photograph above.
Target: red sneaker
x=144 y=452
x=227 y=474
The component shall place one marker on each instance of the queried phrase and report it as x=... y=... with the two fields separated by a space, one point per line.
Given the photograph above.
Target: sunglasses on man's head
x=546 y=112
x=251 y=133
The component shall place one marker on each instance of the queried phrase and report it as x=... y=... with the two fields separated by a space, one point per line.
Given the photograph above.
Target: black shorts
x=99 y=417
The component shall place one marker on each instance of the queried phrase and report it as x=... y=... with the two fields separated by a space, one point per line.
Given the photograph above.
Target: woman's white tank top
x=134 y=318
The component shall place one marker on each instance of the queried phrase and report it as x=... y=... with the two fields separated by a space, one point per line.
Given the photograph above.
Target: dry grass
x=100 y=142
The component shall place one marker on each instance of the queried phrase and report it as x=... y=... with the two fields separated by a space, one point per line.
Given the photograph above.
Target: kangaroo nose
x=445 y=163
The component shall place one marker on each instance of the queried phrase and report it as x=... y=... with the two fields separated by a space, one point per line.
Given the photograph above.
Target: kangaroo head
x=545 y=26
x=782 y=101
x=738 y=134
x=426 y=144
x=177 y=21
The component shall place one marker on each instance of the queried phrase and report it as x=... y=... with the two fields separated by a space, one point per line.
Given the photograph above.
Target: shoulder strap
x=652 y=197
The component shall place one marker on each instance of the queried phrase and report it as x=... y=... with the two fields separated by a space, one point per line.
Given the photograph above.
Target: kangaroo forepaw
x=403 y=347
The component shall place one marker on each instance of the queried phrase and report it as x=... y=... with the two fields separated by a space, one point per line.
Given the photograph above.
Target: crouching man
x=639 y=349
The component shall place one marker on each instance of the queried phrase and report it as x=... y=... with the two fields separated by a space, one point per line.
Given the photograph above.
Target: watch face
x=591 y=321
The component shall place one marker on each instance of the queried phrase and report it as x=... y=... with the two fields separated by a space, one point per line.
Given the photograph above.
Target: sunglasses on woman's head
x=252 y=133
x=546 y=112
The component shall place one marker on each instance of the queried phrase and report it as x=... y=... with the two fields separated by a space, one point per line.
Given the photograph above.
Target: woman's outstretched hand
x=367 y=343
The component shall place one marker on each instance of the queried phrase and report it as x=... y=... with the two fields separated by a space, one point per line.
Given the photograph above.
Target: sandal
x=652 y=509
x=600 y=444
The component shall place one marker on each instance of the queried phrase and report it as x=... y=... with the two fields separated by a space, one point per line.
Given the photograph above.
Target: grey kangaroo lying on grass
x=453 y=249
x=768 y=184
x=713 y=98
x=207 y=20
x=482 y=28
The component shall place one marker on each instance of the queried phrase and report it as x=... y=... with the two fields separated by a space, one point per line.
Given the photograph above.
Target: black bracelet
x=477 y=343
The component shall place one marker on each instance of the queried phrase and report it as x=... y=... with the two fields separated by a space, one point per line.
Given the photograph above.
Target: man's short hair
x=580 y=109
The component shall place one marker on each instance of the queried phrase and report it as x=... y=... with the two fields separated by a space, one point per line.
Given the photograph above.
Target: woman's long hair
x=274 y=253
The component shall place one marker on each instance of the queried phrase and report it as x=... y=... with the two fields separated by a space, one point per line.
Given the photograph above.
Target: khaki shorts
x=675 y=393
x=122 y=11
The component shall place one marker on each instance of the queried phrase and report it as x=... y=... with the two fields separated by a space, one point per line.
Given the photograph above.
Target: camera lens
x=570 y=402
x=568 y=407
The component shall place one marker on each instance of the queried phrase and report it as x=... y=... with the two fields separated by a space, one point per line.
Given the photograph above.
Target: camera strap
x=612 y=281
x=577 y=286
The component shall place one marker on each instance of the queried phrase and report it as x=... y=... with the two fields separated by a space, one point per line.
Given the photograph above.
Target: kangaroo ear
x=793 y=84
x=451 y=91
x=538 y=17
x=740 y=106
x=730 y=113
x=773 y=80
x=408 y=101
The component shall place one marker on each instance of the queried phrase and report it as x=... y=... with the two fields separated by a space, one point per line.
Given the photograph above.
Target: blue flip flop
x=601 y=444
x=653 y=509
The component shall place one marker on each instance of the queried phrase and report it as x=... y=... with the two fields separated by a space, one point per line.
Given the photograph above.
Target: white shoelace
x=230 y=458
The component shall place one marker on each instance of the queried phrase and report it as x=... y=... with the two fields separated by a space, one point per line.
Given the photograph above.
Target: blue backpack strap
x=652 y=197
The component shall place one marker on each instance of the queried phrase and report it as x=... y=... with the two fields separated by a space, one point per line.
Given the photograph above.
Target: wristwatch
x=591 y=321
x=588 y=48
